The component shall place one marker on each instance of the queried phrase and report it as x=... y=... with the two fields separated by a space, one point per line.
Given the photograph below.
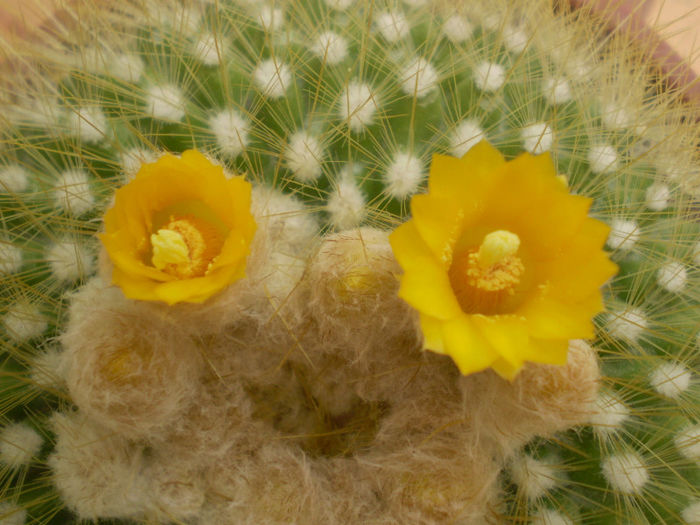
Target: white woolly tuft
x=69 y=261
x=557 y=91
x=340 y=5
x=13 y=179
x=534 y=477
x=537 y=138
x=403 y=176
x=489 y=76
x=271 y=18
x=627 y=324
x=609 y=414
x=346 y=204
x=515 y=40
x=688 y=443
x=672 y=276
x=48 y=368
x=272 y=78
x=603 y=158
x=10 y=257
x=12 y=514
x=126 y=67
x=358 y=106
x=457 y=29
x=691 y=514
x=330 y=47
x=72 y=192
x=208 y=49
x=670 y=379
x=623 y=234
x=393 y=26
x=19 y=444
x=657 y=196
x=550 y=517
x=231 y=131
x=166 y=102
x=303 y=156
x=625 y=472
x=132 y=159
x=419 y=78
x=24 y=321
x=696 y=254
x=467 y=134
x=89 y=123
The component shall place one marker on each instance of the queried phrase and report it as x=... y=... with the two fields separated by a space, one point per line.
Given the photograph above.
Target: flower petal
x=432 y=334
x=439 y=222
x=467 y=346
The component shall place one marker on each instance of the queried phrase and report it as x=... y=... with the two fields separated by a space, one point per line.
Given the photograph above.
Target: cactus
x=342 y=104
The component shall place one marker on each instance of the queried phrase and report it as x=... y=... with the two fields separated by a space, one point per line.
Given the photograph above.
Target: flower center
x=483 y=279
x=185 y=247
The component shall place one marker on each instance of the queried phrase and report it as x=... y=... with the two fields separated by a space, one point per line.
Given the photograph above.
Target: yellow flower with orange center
x=180 y=231
x=502 y=263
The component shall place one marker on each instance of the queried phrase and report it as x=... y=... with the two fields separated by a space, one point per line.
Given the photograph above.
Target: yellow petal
x=507 y=334
x=439 y=222
x=427 y=288
x=432 y=334
x=548 y=351
x=466 y=345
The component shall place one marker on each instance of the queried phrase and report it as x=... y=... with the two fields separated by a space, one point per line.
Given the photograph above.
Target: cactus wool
x=346 y=262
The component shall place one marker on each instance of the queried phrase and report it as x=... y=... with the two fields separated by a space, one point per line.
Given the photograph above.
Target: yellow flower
x=180 y=231
x=501 y=262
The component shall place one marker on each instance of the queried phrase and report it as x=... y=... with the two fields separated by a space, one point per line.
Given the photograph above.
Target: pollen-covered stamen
x=484 y=278
x=185 y=247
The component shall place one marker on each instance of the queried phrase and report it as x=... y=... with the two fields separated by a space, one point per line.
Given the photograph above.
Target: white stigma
x=623 y=235
x=457 y=29
x=403 y=176
x=419 y=78
x=489 y=76
x=626 y=472
x=13 y=179
x=627 y=325
x=89 y=123
x=393 y=26
x=272 y=78
x=166 y=102
x=231 y=131
x=24 y=321
x=358 y=106
x=670 y=379
x=672 y=276
x=331 y=47
x=72 y=192
x=609 y=414
x=537 y=138
x=303 y=156
x=19 y=444
x=603 y=158
x=657 y=196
